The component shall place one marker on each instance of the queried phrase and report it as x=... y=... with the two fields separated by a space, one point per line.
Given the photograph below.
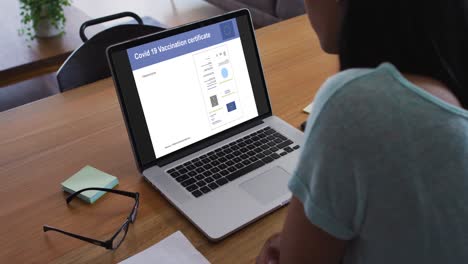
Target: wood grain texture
x=43 y=143
x=21 y=59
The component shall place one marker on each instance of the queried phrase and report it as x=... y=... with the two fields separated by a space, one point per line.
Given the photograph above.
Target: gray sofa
x=264 y=12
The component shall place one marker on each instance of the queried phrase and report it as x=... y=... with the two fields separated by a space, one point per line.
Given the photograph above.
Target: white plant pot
x=45 y=29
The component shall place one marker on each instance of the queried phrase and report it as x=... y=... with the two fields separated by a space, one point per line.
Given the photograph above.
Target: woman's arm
x=301 y=242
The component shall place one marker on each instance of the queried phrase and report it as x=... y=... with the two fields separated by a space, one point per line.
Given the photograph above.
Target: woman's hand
x=301 y=242
x=270 y=251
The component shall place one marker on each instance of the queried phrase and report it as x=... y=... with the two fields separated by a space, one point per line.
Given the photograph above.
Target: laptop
x=198 y=115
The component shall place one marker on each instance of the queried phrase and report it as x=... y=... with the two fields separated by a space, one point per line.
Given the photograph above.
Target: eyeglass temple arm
x=128 y=194
x=87 y=239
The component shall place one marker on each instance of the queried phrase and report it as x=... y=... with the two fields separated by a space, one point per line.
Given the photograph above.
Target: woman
x=383 y=176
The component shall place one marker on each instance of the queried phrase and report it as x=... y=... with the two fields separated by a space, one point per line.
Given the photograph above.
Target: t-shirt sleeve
x=325 y=179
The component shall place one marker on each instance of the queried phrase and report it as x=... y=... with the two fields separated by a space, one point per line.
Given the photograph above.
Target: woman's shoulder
x=355 y=92
x=380 y=91
x=355 y=84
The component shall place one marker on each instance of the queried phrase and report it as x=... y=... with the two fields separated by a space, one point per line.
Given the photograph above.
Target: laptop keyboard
x=231 y=161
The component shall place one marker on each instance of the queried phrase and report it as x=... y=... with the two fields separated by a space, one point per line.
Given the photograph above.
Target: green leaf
x=32 y=11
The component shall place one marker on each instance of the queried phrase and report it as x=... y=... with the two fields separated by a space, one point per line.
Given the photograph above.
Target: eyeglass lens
x=135 y=212
x=120 y=237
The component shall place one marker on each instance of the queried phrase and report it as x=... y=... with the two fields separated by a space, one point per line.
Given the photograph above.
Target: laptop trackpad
x=268 y=186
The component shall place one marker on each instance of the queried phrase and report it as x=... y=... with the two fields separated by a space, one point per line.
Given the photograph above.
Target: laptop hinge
x=207 y=142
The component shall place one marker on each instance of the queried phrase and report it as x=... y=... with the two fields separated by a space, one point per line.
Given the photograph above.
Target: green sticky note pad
x=89 y=177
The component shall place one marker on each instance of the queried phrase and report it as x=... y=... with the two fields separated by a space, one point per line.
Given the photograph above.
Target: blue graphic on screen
x=231 y=106
x=184 y=43
x=227 y=30
x=224 y=73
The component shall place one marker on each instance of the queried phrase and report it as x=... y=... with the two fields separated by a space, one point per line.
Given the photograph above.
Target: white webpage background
x=174 y=104
x=214 y=85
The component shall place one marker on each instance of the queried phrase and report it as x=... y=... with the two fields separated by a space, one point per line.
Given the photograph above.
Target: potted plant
x=42 y=18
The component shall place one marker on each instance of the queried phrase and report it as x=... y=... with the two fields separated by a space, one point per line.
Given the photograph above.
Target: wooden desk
x=21 y=59
x=43 y=143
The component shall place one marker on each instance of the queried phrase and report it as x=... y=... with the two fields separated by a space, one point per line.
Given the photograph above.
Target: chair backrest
x=88 y=63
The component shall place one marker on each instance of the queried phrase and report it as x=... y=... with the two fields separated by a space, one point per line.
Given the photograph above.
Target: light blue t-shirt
x=385 y=166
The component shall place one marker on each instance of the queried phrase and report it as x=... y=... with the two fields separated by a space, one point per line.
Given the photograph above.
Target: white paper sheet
x=308 y=108
x=174 y=249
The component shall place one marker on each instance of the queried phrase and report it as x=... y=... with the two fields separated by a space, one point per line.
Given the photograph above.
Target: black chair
x=88 y=63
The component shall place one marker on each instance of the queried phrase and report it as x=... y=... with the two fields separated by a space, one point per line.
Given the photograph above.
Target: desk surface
x=43 y=143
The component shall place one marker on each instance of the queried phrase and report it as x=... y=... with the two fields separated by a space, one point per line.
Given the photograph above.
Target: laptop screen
x=192 y=85
x=183 y=89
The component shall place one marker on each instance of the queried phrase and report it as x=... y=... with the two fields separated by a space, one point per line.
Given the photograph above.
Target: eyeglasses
x=115 y=241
